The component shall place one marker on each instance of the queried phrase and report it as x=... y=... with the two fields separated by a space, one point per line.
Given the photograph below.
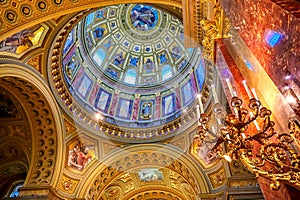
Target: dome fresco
x=128 y=63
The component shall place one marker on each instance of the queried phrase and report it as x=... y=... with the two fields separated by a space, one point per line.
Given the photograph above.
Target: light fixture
x=248 y=134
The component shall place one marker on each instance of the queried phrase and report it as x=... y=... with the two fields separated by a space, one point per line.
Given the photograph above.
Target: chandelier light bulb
x=227 y=158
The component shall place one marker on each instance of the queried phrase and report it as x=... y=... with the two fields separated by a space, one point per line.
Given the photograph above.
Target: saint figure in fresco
x=70 y=67
x=176 y=53
x=142 y=17
x=101 y=14
x=133 y=61
x=119 y=59
x=79 y=156
x=112 y=72
x=98 y=32
x=163 y=58
x=146 y=110
x=20 y=39
x=149 y=66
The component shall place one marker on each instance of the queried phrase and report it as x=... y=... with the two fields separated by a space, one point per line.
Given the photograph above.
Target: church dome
x=127 y=65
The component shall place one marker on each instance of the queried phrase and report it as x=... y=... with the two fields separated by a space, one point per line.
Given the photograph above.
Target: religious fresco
x=146 y=111
x=143 y=17
x=23 y=40
x=112 y=60
x=102 y=101
x=150 y=174
x=187 y=93
x=84 y=86
x=80 y=154
x=124 y=108
x=132 y=42
x=71 y=66
x=148 y=65
x=168 y=104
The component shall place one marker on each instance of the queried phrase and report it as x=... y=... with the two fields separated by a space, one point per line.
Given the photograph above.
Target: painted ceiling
x=127 y=66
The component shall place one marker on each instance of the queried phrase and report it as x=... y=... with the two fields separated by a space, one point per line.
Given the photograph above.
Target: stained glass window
x=272 y=37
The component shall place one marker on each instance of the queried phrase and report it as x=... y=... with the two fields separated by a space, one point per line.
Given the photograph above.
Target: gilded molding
x=16 y=16
x=68 y=185
x=204 y=21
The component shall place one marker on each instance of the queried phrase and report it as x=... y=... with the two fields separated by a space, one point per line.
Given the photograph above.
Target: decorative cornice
x=16 y=16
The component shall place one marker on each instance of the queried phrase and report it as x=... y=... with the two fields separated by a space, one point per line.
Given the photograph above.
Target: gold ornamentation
x=263 y=151
x=208 y=42
x=19 y=14
x=44 y=129
x=217 y=178
x=36 y=63
x=68 y=185
x=69 y=127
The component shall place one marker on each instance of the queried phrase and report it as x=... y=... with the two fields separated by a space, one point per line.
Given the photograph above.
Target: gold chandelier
x=249 y=135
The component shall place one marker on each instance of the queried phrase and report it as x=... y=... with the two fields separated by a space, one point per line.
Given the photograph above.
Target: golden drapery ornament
x=263 y=151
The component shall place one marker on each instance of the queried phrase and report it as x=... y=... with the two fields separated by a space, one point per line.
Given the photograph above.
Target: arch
x=44 y=119
x=15 y=20
x=131 y=158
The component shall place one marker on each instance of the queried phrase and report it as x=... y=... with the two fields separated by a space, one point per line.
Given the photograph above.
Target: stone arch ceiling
x=15 y=140
x=44 y=122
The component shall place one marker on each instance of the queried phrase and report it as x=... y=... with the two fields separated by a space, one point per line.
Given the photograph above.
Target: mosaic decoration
x=168 y=104
x=20 y=42
x=150 y=174
x=125 y=52
x=124 y=108
x=103 y=100
x=80 y=154
x=84 y=86
x=146 y=111
x=187 y=93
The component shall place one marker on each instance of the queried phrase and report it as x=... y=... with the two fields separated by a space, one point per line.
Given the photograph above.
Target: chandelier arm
x=288 y=177
x=254 y=117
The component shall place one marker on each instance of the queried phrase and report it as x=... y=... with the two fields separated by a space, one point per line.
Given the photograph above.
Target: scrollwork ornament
x=264 y=152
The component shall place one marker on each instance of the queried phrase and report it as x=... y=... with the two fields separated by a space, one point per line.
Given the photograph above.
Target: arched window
x=99 y=56
x=272 y=38
x=166 y=72
x=130 y=76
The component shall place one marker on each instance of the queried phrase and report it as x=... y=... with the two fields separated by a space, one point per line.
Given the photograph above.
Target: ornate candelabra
x=263 y=151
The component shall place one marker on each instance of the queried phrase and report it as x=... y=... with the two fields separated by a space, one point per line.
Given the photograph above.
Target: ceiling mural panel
x=25 y=40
